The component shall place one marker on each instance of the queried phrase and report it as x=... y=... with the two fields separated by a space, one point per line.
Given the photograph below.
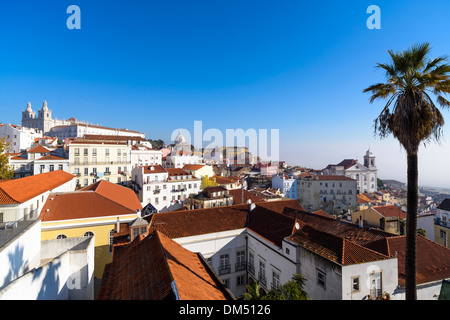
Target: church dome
x=180 y=138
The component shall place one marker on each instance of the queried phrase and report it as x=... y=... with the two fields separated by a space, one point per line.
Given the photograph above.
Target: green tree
x=411 y=116
x=6 y=171
x=291 y=290
x=253 y=292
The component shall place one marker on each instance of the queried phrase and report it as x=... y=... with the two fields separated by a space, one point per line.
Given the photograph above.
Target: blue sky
x=155 y=66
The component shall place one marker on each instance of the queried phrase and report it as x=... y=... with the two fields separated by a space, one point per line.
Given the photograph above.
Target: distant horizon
x=153 y=67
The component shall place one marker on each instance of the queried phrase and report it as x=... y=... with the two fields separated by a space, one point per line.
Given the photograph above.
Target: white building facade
x=20 y=138
x=287 y=184
x=327 y=192
x=165 y=190
x=365 y=175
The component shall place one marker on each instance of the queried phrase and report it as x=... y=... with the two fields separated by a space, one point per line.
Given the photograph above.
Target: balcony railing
x=441 y=223
x=224 y=269
x=240 y=266
x=262 y=278
x=251 y=269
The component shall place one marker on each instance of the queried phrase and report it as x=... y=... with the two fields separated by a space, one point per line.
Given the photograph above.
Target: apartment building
x=91 y=161
x=167 y=189
x=327 y=192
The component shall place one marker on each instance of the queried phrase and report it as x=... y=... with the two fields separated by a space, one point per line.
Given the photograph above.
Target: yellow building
x=91 y=161
x=94 y=210
x=386 y=218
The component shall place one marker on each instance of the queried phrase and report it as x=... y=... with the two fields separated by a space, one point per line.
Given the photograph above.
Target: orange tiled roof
x=333 y=247
x=178 y=224
x=51 y=157
x=236 y=193
x=122 y=195
x=433 y=259
x=98 y=200
x=153 y=169
x=80 y=205
x=38 y=149
x=150 y=268
x=390 y=211
x=193 y=166
x=23 y=189
x=176 y=172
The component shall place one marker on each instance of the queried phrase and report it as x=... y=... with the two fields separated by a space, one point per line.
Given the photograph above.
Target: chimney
x=118 y=225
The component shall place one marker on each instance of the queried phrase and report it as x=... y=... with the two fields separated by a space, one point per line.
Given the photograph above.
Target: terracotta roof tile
x=122 y=195
x=51 y=157
x=100 y=199
x=237 y=195
x=148 y=269
x=193 y=166
x=153 y=169
x=433 y=259
x=38 y=149
x=390 y=211
x=23 y=189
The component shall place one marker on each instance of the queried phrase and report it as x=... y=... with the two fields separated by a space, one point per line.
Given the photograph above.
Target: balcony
x=157 y=191
x=224 y=269
x=239 y=266
x=107 y=173
x=441 y=223
x=262 y=279
x=251 y=269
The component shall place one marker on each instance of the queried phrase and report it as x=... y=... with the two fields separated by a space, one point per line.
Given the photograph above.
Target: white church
x=365 y=174
x=70 y=128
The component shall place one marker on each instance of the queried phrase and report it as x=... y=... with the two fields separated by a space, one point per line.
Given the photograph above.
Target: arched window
x=88 y=234
x=61 y=236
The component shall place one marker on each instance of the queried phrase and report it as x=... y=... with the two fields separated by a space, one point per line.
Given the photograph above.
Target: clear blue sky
x=155 y=66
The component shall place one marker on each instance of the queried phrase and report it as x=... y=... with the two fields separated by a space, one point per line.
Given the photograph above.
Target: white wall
x=215 y=244
x=20 y=254
x=67 y=276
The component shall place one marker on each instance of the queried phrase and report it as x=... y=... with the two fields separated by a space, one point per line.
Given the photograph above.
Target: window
x=42 y=168
x=321 y=278
x=86 y=152
x=275 y=280
x=61 y=236
x=52 y=168
x=135 y=232
x=94 y=152
x=375 y=285
x=240 y=281
x=224 y=266
x=86 y=171
x=60 y=167
x=355 y=284
x=107 y=152
x=77 y=151
x=226 y=283
x=288 y=251
x=88 y=234
x=262 y=272
x=111 y=240
x=240 y=260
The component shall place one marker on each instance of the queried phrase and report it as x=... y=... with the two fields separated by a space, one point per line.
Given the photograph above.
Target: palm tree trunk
x=411 y=227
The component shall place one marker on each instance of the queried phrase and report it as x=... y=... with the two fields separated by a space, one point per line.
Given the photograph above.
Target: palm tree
x=413 y=118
